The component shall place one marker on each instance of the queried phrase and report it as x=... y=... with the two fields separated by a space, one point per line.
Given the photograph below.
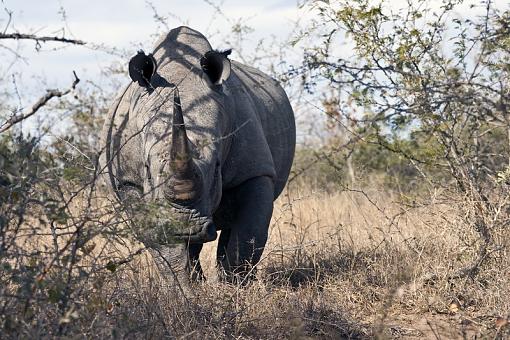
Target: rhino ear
x=216 y=65
x=141 y=68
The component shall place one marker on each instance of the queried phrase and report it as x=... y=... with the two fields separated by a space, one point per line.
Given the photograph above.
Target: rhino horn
x=180 y=155
x=185 y=179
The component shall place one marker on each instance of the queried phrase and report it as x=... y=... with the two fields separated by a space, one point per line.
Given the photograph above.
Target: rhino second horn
x=180 y=155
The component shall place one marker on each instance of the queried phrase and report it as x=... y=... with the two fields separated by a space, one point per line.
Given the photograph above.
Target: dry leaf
x=501 y=322
x=453 y=307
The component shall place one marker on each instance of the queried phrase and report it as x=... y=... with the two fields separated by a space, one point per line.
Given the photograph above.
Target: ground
x=356 y=264
x=338 y=264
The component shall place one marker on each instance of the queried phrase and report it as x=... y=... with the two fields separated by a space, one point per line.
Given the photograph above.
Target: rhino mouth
x=206 y=233
x=186 y=226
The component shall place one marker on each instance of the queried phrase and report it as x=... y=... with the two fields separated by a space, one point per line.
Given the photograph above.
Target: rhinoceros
x=207 y=141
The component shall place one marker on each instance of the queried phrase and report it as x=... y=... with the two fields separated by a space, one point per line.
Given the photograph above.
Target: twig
x=9 y=14
x=436 y=335
x=77 y=150
x=39 y=104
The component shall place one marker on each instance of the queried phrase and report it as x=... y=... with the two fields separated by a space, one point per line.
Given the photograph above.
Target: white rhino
x=208 y=143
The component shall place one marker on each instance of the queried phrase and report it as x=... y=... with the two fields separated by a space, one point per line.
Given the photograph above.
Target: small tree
x=432 y=78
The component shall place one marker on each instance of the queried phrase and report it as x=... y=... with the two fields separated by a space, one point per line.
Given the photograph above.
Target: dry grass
x=337 y=265
x=343 y=265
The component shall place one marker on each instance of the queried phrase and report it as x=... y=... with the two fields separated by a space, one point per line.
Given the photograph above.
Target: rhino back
x=265 y=134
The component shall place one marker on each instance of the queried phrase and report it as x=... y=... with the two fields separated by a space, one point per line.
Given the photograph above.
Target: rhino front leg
x=174 y=265
x=244 y=215
x=194 y=261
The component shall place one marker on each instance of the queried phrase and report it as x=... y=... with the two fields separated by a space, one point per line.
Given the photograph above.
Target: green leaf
x=111 y=266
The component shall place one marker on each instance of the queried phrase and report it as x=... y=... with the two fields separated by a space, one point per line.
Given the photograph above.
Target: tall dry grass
x=350 y=264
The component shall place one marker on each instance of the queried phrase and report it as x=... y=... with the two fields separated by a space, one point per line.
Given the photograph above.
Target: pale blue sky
x=124 y=24
x=128 y=25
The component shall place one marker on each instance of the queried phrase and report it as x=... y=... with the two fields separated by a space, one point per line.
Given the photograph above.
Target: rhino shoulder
x=265 y=145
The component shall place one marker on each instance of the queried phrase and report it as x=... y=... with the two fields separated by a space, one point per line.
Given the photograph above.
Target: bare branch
x=9 y=14
x=38 y=105
x=21 y=36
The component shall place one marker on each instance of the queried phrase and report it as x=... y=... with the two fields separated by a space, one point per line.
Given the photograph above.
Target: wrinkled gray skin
x=239 y=140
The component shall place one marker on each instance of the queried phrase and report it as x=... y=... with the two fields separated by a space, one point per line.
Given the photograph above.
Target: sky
x=115 y=29
x=129 y=25
x=126 y=25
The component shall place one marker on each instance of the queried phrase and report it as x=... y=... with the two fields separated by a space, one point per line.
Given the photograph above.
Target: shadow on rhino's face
x=184 y=176
x=176 y=184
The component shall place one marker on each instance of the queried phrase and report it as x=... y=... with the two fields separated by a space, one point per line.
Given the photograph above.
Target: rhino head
x=182 y=177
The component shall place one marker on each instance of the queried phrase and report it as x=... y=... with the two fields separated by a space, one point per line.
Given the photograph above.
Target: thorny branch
x=22 y=36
